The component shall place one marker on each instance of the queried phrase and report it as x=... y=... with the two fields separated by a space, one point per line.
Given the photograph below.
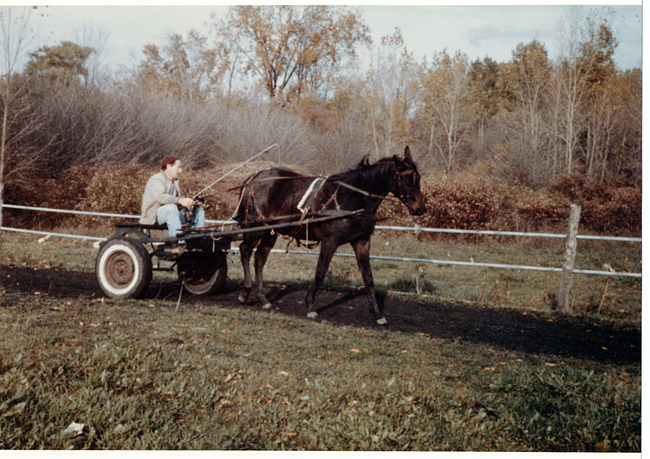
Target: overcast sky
x=479 y=31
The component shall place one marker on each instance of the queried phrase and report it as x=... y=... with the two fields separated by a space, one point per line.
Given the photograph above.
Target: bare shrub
x=240 y=132
x=28 y=143
x=345 y=145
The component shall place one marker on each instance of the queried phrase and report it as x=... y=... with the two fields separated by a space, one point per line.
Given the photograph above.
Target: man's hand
x=185 y=202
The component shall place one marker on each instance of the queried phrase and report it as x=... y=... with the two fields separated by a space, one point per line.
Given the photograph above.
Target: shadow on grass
x=522 y=331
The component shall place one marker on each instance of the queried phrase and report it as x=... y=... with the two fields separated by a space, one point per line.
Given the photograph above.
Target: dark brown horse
x=281 y=195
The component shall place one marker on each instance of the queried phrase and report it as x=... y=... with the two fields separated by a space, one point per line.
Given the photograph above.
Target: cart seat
x=143 y=232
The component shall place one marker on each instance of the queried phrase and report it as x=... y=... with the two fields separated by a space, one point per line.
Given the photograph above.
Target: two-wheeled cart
x=126 y=261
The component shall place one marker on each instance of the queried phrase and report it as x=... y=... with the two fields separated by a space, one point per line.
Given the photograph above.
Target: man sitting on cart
x=163 y=202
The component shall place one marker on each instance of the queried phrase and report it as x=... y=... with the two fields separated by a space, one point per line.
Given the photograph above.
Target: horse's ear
x=365 y=161
x=407 y=153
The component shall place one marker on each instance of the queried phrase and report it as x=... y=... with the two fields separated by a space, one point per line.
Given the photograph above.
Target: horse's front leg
x=327 y=249
x=261 y=255
x=362 y=253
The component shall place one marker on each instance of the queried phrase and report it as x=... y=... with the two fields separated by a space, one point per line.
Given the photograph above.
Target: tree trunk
x=2 y=201
x=3 y=148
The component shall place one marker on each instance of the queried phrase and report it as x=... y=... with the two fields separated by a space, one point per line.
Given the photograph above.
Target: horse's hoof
x=382 y=321
x=243 y=298
x=266 y=305
x=312 y=315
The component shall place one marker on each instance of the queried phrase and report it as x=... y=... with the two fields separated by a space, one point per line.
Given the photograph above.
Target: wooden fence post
x=564 y=294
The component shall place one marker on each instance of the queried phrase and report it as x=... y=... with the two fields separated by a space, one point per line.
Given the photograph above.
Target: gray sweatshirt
x=158 y=192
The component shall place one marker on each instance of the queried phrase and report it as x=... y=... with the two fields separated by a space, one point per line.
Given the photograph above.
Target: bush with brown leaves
x=453 y=202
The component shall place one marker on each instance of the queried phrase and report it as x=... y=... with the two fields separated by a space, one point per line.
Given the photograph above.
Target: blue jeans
x=174 y=218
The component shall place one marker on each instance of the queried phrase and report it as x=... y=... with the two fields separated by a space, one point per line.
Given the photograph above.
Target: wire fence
x=374 y=257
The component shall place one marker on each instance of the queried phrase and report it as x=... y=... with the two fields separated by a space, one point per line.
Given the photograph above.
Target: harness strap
x=311 y=193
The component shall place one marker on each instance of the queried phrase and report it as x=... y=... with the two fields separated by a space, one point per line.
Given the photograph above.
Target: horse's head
x=406 y=185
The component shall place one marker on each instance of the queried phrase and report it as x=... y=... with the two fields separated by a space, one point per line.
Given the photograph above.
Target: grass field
x=478 y=361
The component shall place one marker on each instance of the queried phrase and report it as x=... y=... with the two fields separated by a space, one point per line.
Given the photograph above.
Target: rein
x=364 y=192
x=268 y=179
x=343 y=184
x=399 y=176
x=266 y=150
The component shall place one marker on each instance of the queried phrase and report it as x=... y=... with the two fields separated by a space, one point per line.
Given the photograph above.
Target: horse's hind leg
x=327 y=250
x=261 y=255
x=362 y=253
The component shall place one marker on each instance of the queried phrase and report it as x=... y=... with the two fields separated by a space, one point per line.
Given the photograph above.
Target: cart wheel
x=123 y=268
x=202 y=273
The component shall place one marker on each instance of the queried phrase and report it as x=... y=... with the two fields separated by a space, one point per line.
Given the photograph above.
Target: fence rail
x=375 y=257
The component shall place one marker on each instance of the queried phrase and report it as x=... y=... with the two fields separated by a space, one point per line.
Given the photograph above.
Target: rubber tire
x=211 y=267
x=123 y=268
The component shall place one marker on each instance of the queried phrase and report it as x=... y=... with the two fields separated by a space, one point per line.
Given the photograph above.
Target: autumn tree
x=292 y=49
x=446 y=106
x=489 y=94
x=390 y=94
x=186 y=67
x=523 y=151
x=582 y=69
x=627 y=136
x=350 y=135
x=603 y=96
x=61 y=64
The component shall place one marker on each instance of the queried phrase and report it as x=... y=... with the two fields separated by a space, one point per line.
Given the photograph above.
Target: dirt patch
x=520 y=331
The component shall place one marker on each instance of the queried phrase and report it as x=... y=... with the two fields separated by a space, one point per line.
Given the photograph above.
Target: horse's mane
x=365 y=161
x=364 y=170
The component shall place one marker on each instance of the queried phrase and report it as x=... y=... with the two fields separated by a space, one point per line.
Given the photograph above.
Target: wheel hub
x=120 y=269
